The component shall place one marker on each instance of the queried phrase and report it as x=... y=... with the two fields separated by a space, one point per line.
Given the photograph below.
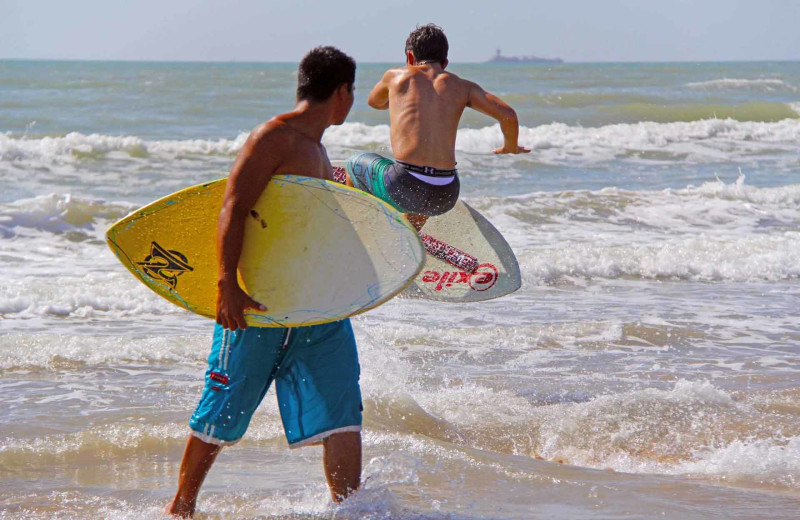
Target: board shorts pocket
x=222 y=410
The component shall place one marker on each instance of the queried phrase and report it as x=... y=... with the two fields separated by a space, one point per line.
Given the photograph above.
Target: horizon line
x=486 y=62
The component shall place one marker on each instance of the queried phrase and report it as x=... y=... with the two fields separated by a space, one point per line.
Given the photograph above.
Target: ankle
x=181 y=507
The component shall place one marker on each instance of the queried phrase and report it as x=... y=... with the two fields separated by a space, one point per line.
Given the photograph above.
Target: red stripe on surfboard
x=451 y=255
x=339 y=175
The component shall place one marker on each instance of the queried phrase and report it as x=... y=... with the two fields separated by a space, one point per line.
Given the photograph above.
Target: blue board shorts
x=409 y=188
x=315 y=370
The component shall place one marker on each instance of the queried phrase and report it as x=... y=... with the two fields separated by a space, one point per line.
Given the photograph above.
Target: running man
x=425 y=105
x=315 y=368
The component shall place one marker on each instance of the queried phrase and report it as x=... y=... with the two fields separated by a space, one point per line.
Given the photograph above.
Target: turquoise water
x=218 y=100
x=647 y=368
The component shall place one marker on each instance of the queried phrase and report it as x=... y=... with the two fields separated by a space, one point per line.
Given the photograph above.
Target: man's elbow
x=378 y=105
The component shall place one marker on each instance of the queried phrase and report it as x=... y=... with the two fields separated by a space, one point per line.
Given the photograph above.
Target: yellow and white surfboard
x=315 y=251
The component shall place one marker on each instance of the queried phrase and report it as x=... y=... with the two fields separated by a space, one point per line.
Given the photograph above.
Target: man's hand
x=508 y=149
x=231 y=304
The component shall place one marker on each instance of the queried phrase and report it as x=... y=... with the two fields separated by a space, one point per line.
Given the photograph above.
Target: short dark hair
x=428 y=43
x=322 y=71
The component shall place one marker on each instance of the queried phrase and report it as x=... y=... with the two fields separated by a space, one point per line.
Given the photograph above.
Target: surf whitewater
x=647 y=367
x=594 y=143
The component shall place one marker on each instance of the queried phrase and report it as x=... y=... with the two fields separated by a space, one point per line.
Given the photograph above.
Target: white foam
x=75 y=146
x=704 y=141
x=780 y=196
x=774 y=461
x=700 y=141
x=637 y=430
x=703 y=258
x=763 y=84
x=113 y=295
x=356 y=135
x=60 y=213
x=24 y=350
x=734 y=209
x=716 y=231
x=649 y=430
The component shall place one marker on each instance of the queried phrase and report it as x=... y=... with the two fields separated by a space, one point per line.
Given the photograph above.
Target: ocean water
x=649 y=367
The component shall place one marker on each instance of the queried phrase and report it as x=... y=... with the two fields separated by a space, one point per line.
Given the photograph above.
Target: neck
x=428 y=63
x=311 y=119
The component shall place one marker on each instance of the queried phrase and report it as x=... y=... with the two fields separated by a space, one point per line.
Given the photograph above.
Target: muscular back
x=425 y=106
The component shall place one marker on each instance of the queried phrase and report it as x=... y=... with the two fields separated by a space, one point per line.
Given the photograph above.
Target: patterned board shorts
x=408 y=188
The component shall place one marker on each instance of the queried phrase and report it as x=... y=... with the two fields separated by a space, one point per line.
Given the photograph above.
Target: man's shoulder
x=465 y=85
x=395 y=73
x=453 y=78
x=272 y=131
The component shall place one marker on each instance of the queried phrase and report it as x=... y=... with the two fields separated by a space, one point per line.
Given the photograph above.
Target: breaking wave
x=760 y=84
x=701 y=140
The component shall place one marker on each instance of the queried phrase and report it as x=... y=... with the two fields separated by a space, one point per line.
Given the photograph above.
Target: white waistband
x=436 y=181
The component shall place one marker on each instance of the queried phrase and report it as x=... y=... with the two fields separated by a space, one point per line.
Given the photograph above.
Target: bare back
x=426 y=104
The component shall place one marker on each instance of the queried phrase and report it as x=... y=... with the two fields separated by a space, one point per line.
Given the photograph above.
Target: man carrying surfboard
x=315 y=368
x=425 y=104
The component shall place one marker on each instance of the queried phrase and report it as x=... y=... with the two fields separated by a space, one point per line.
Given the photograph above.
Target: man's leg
x=366 y=172
x=342 y=462
x=197 y=460
x=417 y=220
x=320 y=399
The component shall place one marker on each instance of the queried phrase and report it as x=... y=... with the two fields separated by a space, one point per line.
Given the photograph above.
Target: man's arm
x=252 y=170
x=491 y=105
x=379 y=97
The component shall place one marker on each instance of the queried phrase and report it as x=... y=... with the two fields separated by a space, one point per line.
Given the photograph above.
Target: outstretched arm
x=491 y=105
x=254 y=166
x=379 y=97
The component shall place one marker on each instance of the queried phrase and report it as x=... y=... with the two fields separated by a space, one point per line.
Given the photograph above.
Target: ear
x=445 y=63
x=341 y=93
x=410 y=58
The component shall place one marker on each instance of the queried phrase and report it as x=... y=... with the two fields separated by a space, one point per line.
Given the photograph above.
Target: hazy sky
x=270 y=30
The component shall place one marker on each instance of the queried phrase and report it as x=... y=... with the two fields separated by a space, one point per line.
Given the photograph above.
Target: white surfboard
x=496 y=273
x=467 y=259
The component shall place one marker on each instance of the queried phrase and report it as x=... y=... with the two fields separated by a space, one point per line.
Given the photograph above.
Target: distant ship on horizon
x=499 y=58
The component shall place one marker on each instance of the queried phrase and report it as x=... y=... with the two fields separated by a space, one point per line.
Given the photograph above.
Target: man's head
x=327 y=74
x=322 y=71
x=428 y=45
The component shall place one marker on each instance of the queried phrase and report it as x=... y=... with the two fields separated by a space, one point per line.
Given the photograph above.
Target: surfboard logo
x=165 y=265
x=484 y=277
x=481 y=279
